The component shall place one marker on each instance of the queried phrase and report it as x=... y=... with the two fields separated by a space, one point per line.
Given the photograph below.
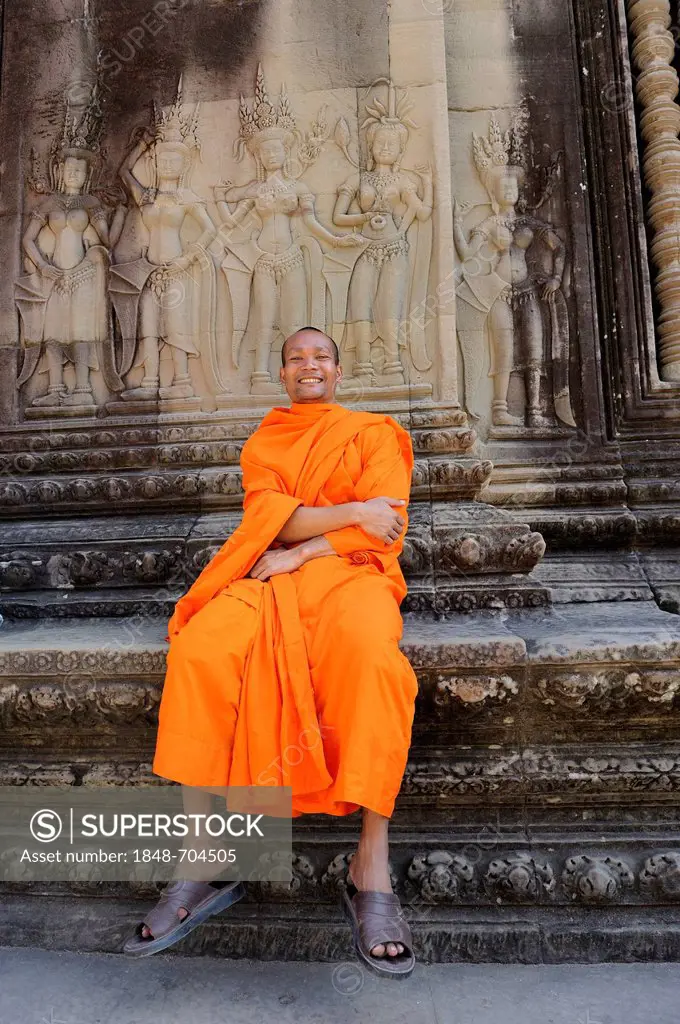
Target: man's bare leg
x=195 y=801
x=370 y=868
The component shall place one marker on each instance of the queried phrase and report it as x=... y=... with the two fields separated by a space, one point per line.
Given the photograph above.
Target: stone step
x=554 y=780
x=538 y=818
x=513 y=861
x=217 y=487
x=542 y=690
x=129 y=564
x=512 y=934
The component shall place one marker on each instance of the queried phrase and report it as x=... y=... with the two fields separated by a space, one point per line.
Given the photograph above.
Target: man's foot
x=378 y=927
x=181 y=911
x=373 y=875
x=165 y=925
x=199 y=869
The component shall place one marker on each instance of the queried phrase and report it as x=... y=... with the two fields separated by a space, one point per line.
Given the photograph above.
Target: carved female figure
x=158 y=296
x=500 y=279
x=279 y=292
x=384 y=201
x=63 y=300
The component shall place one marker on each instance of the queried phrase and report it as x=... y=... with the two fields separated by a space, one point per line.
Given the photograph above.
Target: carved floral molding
x=440 y=877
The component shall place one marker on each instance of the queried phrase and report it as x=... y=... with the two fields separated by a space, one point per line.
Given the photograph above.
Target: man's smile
x=310 y=366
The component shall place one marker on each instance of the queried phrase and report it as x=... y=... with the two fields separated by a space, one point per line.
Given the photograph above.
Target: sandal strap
x=181 y=893
x=381 y=920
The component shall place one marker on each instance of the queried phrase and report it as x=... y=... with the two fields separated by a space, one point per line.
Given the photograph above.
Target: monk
x=284 y=665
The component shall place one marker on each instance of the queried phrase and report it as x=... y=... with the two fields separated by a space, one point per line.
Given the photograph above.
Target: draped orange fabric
x=298 y=680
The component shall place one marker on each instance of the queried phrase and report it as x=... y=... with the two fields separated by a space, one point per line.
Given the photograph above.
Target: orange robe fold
x=298 y=681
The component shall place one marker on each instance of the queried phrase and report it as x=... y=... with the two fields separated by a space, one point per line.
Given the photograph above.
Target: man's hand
x=271 y=563
x=377 y=517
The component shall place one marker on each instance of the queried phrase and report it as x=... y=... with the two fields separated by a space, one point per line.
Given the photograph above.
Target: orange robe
x=298 y=680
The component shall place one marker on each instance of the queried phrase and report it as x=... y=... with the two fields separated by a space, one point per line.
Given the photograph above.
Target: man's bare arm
x=289 y=559
x=306 y=523
x=376 y=516
x=314 y=548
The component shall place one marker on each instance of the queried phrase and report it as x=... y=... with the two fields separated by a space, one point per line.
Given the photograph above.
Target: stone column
x=653 y=48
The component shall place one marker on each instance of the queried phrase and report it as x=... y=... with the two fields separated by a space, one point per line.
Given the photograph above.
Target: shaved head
x=312 y=330
x=310 y=366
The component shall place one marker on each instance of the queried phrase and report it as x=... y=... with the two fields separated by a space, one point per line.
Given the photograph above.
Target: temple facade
x=479 y=200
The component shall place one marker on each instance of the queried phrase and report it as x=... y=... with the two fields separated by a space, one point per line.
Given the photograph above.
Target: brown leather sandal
x=377 y=918
x=200 y=899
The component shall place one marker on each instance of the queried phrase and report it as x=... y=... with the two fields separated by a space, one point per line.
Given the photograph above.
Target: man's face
x=310 y=373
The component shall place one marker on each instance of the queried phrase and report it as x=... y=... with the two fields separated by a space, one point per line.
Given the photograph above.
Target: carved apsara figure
x=522 y=299
x=166 y=296
x=283 y=208
x=385 y=200
x=62 y=300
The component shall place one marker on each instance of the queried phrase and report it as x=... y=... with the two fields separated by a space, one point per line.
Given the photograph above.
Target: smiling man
x=312 y=568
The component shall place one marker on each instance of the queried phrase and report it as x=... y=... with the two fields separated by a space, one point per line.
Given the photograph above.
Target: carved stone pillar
x=653 y=47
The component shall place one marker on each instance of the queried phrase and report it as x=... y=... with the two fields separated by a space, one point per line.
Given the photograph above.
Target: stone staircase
x=538 y=817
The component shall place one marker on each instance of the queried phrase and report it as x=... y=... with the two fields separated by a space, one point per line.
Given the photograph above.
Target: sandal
x=200 y=899
x=377 y=918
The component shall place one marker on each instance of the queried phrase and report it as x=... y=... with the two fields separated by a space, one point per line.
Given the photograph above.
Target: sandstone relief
x=512 y=312
x=393 y=209
x=167 y=296
x=62 y=298
x=268 y=272
x=182 y=301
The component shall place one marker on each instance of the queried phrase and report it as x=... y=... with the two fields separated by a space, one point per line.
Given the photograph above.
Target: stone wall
x=260 y=233
x=453 y=191
x=493 y=106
